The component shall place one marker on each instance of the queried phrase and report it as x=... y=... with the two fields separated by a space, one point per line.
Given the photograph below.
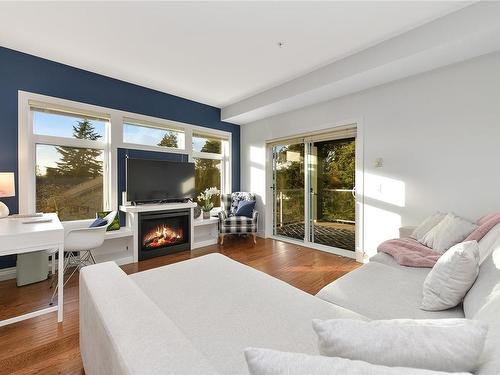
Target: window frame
x=223 y=157
x=160 y=124
x=27 y=141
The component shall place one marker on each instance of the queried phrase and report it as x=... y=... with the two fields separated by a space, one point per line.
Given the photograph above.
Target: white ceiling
x=213 y=52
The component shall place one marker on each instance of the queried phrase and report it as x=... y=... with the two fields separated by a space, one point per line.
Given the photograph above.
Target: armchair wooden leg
x=254 y=238
x=221 y=237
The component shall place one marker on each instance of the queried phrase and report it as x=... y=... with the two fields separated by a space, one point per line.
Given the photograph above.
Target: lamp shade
x=7 y=185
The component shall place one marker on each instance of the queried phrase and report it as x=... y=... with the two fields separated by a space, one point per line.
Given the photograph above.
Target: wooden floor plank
x=41 y=346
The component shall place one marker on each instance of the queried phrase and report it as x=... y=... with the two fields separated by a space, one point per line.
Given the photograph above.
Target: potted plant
x=205 y=200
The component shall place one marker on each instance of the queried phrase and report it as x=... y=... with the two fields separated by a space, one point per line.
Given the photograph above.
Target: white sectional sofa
x=197 y=316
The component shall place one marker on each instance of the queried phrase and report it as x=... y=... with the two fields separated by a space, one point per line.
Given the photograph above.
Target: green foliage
x=213 y=146
x=81 y=162
x=335 y=169
x=207 y=171
x=169 y=140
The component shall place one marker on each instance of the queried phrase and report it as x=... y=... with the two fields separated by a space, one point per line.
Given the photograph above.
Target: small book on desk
x=36 y=221
x=23 y=216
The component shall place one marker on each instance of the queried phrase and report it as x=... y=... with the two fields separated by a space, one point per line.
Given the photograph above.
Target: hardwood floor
x=41 y=346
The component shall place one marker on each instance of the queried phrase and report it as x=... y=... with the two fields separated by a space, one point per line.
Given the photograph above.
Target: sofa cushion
x=378 y=291
x=488 y=281
x=386 y=259
x=450 y=231
x=223 y=306
x=273 y=362
x=238 y=220
x=451 y=345
x=488 y=242
x=425 y=226
x=123 y=332
x=452 y=277
x=490 y=314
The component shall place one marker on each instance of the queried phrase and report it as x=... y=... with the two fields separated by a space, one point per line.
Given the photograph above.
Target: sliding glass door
x=288 y=190
x=314 y=189
x=332 y=218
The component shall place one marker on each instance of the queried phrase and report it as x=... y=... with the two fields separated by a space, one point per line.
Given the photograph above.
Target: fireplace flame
x=160 y=236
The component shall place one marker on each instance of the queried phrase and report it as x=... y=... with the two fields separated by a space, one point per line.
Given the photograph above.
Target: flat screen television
x=159 y=180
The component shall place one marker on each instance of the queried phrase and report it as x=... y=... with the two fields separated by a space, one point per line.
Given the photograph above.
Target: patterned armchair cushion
x=239 y=224
x=238 y=220
x=237 y=197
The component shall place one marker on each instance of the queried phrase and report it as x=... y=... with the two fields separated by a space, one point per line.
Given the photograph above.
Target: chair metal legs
x=83 y=259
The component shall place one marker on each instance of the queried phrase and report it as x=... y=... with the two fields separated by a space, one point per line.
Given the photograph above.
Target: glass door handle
x=353 y=192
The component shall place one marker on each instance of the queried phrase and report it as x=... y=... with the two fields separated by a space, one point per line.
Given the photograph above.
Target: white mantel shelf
x=157 y=207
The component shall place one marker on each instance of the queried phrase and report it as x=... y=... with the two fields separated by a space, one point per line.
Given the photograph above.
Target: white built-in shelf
x=212 y=220
x=120 y=233
x=157 y=207
x=119 y=258
x=205 y=232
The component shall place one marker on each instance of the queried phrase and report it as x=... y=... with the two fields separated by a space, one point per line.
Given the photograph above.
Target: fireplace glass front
x=162 y=233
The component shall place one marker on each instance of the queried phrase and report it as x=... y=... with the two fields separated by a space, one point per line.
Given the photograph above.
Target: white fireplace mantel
x=157 y=207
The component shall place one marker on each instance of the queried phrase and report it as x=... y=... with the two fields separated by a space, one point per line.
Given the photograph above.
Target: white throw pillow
x=435 y=344
x=426 y=225
x=451 y=277
x=272 y=362
x=450 y=231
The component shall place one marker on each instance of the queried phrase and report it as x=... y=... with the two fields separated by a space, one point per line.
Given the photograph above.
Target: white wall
x=438 y=133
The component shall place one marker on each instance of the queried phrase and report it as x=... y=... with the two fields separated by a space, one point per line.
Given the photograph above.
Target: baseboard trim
x=7 y=273
x=10 y=273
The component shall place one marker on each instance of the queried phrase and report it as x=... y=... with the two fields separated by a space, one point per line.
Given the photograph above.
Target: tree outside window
x=69 y=180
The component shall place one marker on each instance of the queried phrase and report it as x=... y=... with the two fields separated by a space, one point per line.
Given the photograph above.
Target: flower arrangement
x=205 y=198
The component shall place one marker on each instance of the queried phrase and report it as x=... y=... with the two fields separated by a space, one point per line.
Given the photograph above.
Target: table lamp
x=7 y=189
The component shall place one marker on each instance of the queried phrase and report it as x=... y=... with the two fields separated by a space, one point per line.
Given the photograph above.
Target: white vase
x=206 y=214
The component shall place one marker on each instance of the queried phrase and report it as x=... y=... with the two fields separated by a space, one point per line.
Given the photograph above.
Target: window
x=208 y=174
x=69 y=154
x=62 y=124
x=204 y=143
x=210 y=155
x=150 y=135
x=69 y=163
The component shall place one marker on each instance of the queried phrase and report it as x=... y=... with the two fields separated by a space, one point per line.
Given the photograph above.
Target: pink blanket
x=410 y=252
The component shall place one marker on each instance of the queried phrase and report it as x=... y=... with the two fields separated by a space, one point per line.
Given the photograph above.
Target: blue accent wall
x=20 y=71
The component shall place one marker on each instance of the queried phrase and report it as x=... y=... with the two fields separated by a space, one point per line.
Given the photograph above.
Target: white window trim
x=114 y=141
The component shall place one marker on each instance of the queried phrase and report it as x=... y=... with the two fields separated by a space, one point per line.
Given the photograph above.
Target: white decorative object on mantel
x=133 y=219
x=7 y=189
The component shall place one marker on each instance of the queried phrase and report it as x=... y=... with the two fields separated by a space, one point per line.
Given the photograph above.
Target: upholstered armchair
x=229 y=223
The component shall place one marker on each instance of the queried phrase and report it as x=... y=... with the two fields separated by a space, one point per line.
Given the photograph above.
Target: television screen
x=159 y=180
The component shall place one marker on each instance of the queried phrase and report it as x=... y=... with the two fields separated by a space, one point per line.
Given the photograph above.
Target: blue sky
x=59 y=126
x=62 y=126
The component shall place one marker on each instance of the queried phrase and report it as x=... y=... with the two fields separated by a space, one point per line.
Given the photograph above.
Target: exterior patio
x=330 y=234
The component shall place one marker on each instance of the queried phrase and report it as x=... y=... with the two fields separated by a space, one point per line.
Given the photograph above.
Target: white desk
x=18 y=238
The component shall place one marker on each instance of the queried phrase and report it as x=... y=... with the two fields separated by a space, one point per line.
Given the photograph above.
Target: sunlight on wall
x=257 y=155
x=258 y=171
x=385 y=189
x=380 y=225
x=257 y=180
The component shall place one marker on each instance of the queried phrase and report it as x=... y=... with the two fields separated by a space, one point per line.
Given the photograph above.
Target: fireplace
x=164 y=232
